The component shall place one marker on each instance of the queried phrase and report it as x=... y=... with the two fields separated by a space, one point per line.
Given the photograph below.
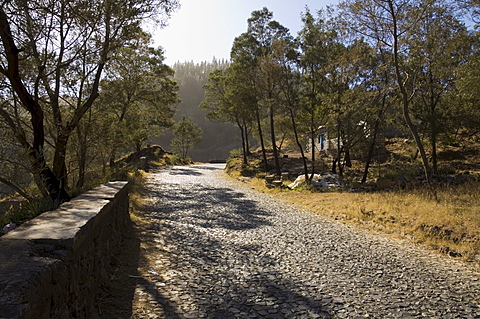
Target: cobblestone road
x=221 y=250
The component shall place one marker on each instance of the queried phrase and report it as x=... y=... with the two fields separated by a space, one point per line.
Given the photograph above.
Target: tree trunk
x=47 y=177
x=262 y=143
x=371 y=149
x=274 y=143
x=54 y=187
x=405 y=98
x=312 y=140
x=304 y=160
x=339 y=152
x=247 y=140
x=348 y=159
x=59 y=159
x=244 y=147
x=16 y=188
x=433 y=138
x=434 y=153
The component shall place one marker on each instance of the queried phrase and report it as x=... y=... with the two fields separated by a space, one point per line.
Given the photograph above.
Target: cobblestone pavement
x=221 y=250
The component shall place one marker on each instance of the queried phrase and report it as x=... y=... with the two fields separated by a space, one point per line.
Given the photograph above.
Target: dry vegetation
x=447 y=219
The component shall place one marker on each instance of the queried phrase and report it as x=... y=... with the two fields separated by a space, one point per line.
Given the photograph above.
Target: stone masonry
x=52 y=265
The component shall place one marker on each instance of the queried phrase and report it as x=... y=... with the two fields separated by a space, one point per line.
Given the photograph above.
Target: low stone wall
x=52 y=266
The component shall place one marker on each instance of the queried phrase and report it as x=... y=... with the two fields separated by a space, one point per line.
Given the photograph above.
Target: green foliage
x=52 y=73
x=139 y=98
x=236 y=153
x=357 y=72
x=187 y=135
x=26 y=211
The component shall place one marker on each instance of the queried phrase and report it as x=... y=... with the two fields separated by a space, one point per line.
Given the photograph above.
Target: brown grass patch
x=450 y=223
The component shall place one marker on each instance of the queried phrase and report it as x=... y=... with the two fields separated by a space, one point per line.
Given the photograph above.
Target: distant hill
x=218 y=138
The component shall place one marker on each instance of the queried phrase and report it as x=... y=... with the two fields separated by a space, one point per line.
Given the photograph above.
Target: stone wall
x=52 y=266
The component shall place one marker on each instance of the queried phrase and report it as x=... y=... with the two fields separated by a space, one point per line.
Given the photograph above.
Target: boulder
x=269 y=179
x=8 y=228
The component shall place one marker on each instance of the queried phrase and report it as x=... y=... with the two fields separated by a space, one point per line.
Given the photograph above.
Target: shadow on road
x=187 y=260
x=184 y=171
x=212 y=207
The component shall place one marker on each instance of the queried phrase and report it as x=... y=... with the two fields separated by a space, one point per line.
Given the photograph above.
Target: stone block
x=52 y=265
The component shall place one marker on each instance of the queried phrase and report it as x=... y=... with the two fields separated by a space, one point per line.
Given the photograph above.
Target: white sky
x=203 y=29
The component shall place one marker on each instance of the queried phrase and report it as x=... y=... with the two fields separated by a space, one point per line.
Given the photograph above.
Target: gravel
x=223 y=250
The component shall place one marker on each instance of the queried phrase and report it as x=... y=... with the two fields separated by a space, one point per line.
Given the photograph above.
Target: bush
x=26 y=211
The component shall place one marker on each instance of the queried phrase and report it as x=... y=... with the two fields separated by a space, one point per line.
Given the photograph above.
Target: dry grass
x=450 y=223
x=446 y=219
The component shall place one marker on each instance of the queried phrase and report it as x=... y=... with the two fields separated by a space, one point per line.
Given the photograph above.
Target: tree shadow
x=115 y=299
x=218 y=208
x=177 y=170
x=186 y=258
x=210 y=287
x=212 y=275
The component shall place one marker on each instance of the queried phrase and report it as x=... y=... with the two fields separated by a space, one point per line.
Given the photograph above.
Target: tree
x=270 y=37
x=391 y=23
x=290 y=85
x=244 y=54
x=463 y=103
x=140 y=92
x=186 y=136
x=316 y=41
x=228 y=99
x=54 y=56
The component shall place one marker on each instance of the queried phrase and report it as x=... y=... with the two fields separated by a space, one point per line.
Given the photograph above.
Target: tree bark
x=247 y=141
x=262 y=143
x=16 y=188
x=244 y=146
x=312 y=140
x=274 y=143
x=405 y=98
x=371 y=149
x=300 y=147
x=35 y=152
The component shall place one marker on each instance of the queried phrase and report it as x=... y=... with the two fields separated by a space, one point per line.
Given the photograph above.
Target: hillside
x=218 y=138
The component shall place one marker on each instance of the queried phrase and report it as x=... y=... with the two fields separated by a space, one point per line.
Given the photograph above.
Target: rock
x=330 y=181
x=301 y=180
x=8 y=228
x=277 y=183
x=455 y=253
x=285 y=176
x=269 y=179
x=383 y=183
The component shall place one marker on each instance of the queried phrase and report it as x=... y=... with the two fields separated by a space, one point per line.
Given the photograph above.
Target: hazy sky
x=202 y=29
